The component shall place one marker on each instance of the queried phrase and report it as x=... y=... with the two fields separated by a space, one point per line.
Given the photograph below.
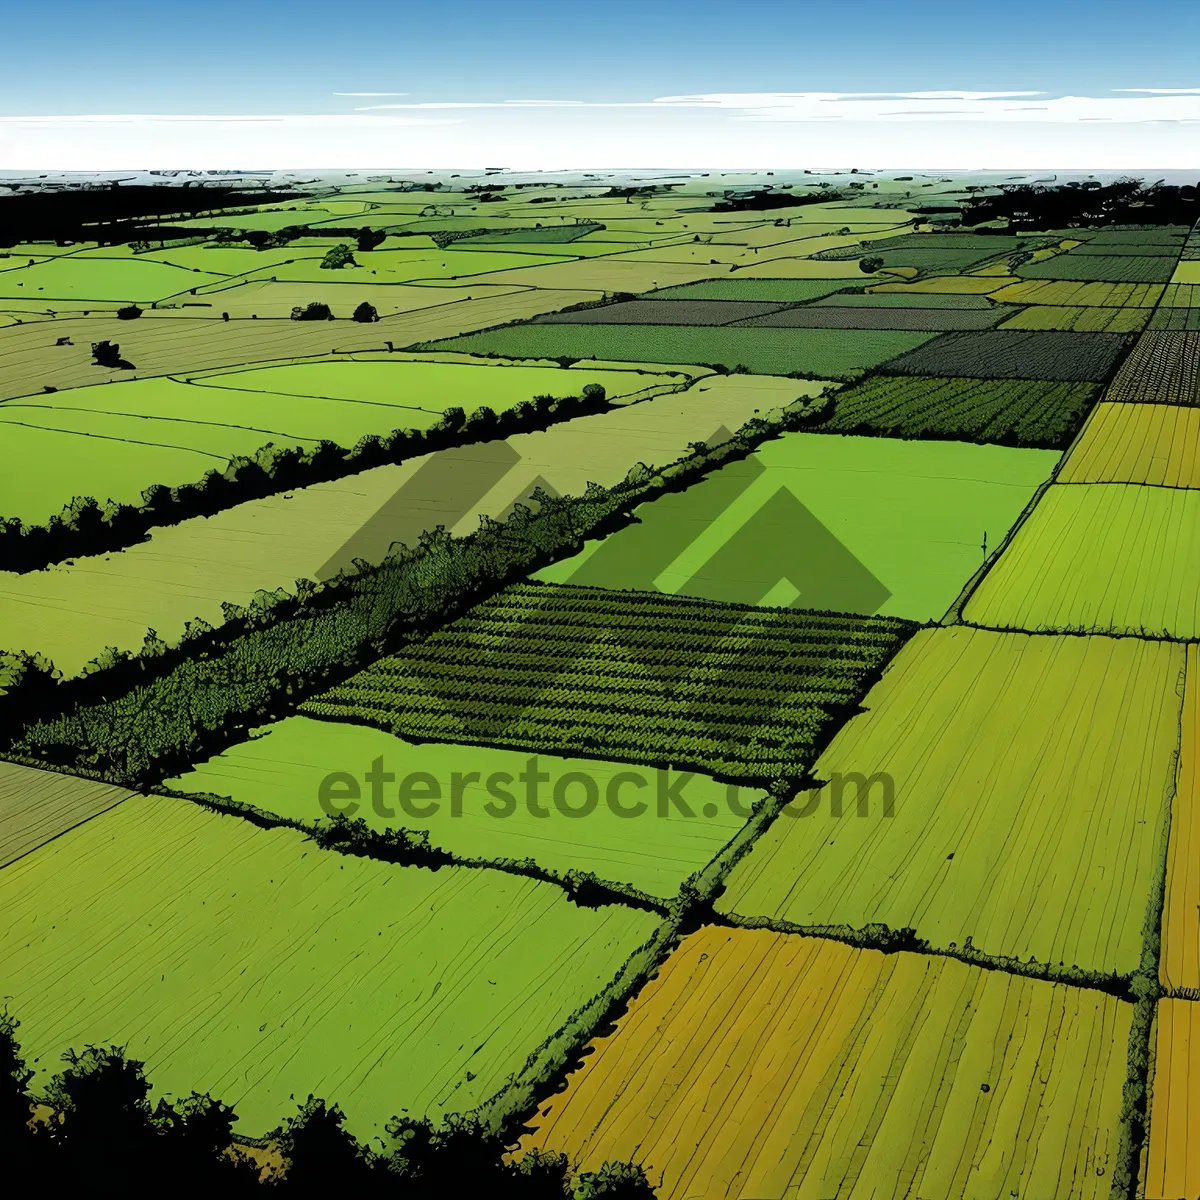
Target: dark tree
x=368 y=239
x=870 y=265
x=316 y=311
x=130 y=312
x=108 y=354
x=366 y=313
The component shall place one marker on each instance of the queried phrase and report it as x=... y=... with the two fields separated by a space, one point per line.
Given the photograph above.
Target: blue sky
x=310 y=84
x=291 y=56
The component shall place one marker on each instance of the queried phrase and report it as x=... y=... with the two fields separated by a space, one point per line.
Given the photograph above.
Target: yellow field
x=1079 y=318
x=1112 y=558
x=1137 y=443
x=1173 y=1160
x=958 y=285
x=1063 y=292
x=1181 y=295
x=72 y=611
x=768 y=1065
x=1029 y=831
x=1180 y=965
x=1187 y=272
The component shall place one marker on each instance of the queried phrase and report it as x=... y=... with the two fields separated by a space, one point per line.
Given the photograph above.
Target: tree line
x=85 y=526
x=95 y=1132
x=138 y=719
x=1086 y=203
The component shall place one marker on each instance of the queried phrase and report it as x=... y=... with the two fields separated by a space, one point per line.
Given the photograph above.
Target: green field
x=282 y=767
x=852 y=524
x=112 y=441
x=117 y=278
x=913 y=299
x=823 y=353
x=548 y=234
x=1103 y=268
x=1080 y=319
x=72 y=611
x=213 y=950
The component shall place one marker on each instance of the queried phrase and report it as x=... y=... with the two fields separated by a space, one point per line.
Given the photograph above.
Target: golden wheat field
x=768 y=1065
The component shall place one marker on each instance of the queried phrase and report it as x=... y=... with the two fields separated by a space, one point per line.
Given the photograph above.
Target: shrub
x=107 y=354
x=337 y=258
x=366 y=313
x=316 y=311
x=101 y=1136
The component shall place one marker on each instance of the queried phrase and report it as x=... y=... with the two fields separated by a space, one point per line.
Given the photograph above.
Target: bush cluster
x=95 y=1132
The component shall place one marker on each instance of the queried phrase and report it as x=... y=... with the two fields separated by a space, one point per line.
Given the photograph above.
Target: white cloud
x=1132 y=105
x=1135 y=129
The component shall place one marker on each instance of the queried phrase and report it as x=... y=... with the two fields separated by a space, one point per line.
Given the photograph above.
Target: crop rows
x=1099 y=267
x=1016 y=354
x=824 y=354
x=662 y=312
x=1027 y=831
x=1175 y=320
x=1163 y=368
x=1099 y=558
x=37 y=806
x=1157 y=444
x=737 y=691
x=1005 y=412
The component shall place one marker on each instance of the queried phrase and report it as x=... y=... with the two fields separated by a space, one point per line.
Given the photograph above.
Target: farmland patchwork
x=692 y=674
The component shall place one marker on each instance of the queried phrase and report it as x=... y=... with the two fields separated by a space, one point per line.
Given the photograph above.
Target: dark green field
x=1005 y=412
x=1016 y=354
x=730 y=689
x=816 y=354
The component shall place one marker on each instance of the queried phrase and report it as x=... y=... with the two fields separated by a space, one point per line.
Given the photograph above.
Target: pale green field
x=118 y=278
x=402 y=266
x=1099 y=558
